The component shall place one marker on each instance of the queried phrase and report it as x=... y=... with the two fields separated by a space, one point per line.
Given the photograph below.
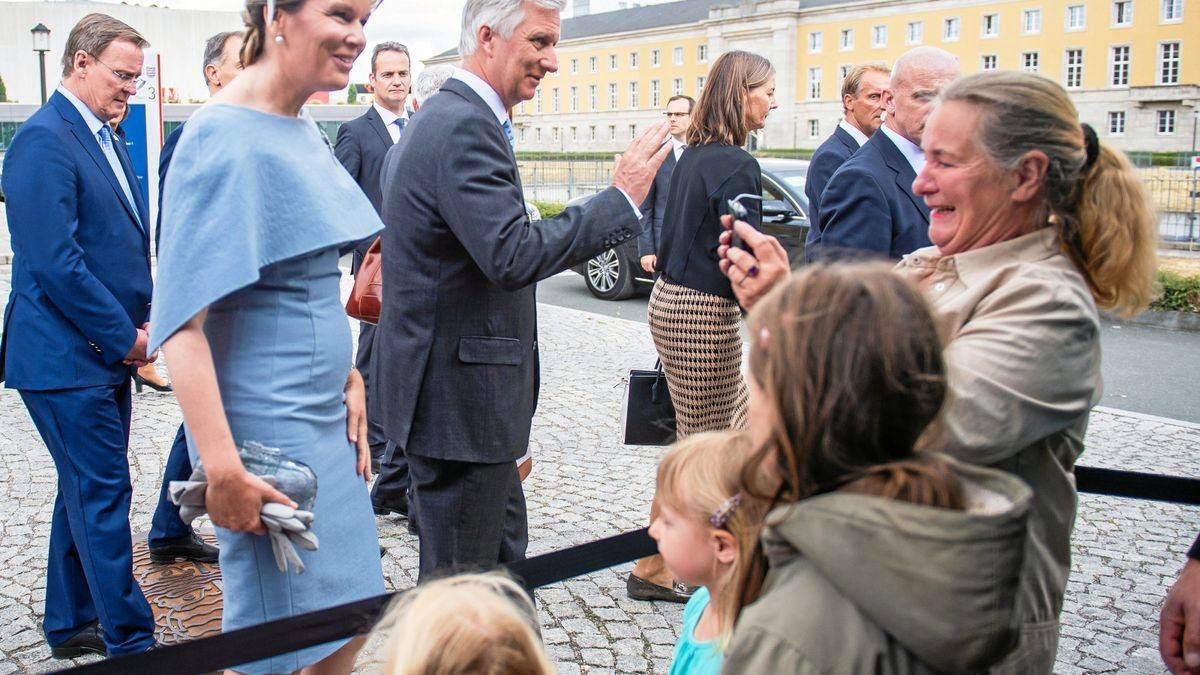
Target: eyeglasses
x=671 y=114
x=122 y=75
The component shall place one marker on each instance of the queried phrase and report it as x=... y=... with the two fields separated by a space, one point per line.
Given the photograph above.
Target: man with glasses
x=679 y=115
x=75 y=327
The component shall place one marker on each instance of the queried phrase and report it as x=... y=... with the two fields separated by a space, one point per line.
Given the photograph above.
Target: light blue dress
x=695 y=657
x=281 y=344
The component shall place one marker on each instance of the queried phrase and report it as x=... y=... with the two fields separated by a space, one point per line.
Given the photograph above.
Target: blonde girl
x=706 y=532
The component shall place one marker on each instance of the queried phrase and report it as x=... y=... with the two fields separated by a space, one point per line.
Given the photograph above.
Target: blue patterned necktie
x=110 y=153
x=399 y=122
x=508 y=133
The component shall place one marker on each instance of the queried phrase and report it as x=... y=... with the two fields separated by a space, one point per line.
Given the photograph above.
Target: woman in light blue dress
x=247 y=306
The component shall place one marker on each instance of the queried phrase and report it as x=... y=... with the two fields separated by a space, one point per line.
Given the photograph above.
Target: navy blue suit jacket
x=868 y=209
x=81 y=280
x=164 y=162
x=361 y=146
x=655 y=207
x=827 y=159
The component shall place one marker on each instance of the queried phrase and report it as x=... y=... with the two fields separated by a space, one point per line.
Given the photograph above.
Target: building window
x=987 y=62
x=879 y=36
x=991 y=25
x=951 y=28
x=1029 y=61
x=1119 y=57
x=1168 y=63
x=655 y=94
x=592 y=133
x=592 y=102
x=915 y=33
x=574 y=66
x=592 y=64
x=814 y=128
x=612 y=61
x=655 y=58
x=677 y=55
x=1172 y=10
x=1031 y=21
x=632 y=131
x=1166 y=122
x=1076 y=17
x=612 y=132
x=521 y=135
x=537 y=134
x=843 y=73
x=554 y=135
x=1122 y=12
x=1116 y=123
x=677 y=86
x=612 y=96
x=574 y=135
x=846 y=39
x=554 y=99
x=633 y=95
x=816 y=41
x=1074 y=73
x=701 y=53
x=814 y=84
x=538 y=102
x=574 y=99
x=633 y=59
x=699 y=85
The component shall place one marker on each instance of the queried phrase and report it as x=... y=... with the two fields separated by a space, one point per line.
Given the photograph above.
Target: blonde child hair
x=699 y=477
x=472 y=624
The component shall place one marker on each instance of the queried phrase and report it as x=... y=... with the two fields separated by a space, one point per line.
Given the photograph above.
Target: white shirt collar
x=485 y=91
x=911 y=151
x=387 y=115
x=89 y=118
x=853 y=131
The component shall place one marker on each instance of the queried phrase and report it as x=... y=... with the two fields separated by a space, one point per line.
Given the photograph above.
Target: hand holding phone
x=739 y=212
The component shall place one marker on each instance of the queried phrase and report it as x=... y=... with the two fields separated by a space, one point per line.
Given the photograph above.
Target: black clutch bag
x=649 y=413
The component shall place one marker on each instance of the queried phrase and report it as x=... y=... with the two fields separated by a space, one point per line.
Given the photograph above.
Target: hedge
x=1179 y=293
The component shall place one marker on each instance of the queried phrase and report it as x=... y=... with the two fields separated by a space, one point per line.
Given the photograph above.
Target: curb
x=1188 y=321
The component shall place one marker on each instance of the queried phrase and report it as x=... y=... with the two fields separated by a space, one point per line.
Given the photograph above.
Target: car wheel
x=608 y=276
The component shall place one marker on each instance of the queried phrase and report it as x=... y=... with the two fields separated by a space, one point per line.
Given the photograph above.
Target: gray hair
x=430 y=80
x=214 y=51
x=924 y=57
x=387 y=47
x=503 y=16
x=93 y=34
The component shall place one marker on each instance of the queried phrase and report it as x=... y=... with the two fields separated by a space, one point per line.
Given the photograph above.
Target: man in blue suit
x=169 y=537
x=862 y=107
x=679 y=117
x=868 y=209
x=75 y=326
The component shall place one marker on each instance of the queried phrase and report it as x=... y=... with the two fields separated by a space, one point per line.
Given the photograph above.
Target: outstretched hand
x=634 y=169
x=756 y=271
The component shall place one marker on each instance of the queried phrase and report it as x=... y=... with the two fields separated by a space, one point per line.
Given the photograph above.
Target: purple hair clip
x=725 y=511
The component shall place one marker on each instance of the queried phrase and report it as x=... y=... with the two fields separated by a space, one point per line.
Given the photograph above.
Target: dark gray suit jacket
x=655 y=207
x=868 y=208
x=456 y=348
x=360 y=147
x=828 y=158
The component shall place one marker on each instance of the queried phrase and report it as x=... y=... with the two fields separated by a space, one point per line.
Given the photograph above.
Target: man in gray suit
x=679 y=116
x=361 y=146
x=456 y=348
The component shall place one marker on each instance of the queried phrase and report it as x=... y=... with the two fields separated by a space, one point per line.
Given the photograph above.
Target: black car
x=617 y=273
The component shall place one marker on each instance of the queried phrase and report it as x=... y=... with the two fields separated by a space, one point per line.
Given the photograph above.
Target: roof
x=631 y=19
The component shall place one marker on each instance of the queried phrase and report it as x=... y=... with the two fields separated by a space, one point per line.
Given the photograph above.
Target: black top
x=705 y=177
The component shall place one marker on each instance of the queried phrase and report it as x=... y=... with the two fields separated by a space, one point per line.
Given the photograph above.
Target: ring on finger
x=752 y=272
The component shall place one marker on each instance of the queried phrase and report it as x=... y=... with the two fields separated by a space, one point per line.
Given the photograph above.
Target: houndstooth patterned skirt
x=696 y=335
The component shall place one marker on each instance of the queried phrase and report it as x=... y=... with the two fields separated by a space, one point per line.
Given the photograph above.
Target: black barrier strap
x=1136 y=485
x=355 y=618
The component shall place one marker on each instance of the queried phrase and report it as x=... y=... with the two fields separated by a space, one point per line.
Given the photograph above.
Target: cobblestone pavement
x=585 y=485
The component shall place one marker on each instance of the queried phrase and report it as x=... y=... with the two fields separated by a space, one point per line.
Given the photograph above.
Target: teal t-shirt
x=693 y=657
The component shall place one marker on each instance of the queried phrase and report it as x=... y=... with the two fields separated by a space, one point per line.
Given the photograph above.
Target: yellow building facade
x=1130 y=65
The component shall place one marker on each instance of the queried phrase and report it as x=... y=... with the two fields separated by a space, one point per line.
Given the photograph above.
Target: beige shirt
x=1023 y=356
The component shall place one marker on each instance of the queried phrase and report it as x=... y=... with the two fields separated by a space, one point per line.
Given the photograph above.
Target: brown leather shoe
x=640 y=589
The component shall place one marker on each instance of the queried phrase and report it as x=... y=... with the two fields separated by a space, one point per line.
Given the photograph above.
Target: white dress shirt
x=853 y=131
x=911 y=151
x=389 y=121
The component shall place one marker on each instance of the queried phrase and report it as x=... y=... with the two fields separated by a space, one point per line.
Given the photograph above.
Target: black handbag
x=649 y=413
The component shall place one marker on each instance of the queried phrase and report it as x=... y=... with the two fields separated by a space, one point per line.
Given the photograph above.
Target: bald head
x=917 y=79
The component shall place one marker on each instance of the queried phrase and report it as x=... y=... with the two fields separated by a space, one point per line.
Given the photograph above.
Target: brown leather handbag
x=366 y=296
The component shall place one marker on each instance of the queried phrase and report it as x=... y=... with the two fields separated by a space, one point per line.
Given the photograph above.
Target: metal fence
x=1176 y=194
x=558 y=180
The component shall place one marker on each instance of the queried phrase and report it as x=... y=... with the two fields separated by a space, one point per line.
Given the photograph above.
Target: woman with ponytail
x=881 y=560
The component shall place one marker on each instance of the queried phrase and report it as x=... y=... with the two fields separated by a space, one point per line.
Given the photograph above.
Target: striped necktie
x=110 y=153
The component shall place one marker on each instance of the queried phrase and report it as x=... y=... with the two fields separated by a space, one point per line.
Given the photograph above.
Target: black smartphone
x=739 y=213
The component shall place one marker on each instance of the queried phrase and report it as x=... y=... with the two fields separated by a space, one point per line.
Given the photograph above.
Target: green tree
x=352 y=95
x=3 y=91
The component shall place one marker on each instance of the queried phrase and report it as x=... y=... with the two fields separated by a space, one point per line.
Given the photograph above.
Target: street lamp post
x=41 y=45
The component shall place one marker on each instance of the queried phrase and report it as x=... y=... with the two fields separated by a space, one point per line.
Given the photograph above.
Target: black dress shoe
x=386 y=506
x=189 y=547
x=640 y=589
x=87 y=641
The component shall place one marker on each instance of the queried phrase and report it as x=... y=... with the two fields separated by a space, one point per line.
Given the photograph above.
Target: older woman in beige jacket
x=1035 y=223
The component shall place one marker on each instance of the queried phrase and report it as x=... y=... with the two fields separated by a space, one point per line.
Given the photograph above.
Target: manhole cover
x=185 y=596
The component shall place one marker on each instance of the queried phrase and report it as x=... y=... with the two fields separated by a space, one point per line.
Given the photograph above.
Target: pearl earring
x=278 y=39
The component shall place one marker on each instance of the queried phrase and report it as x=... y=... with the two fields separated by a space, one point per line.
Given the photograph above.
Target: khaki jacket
x=862 y=584
x=1023 y=354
